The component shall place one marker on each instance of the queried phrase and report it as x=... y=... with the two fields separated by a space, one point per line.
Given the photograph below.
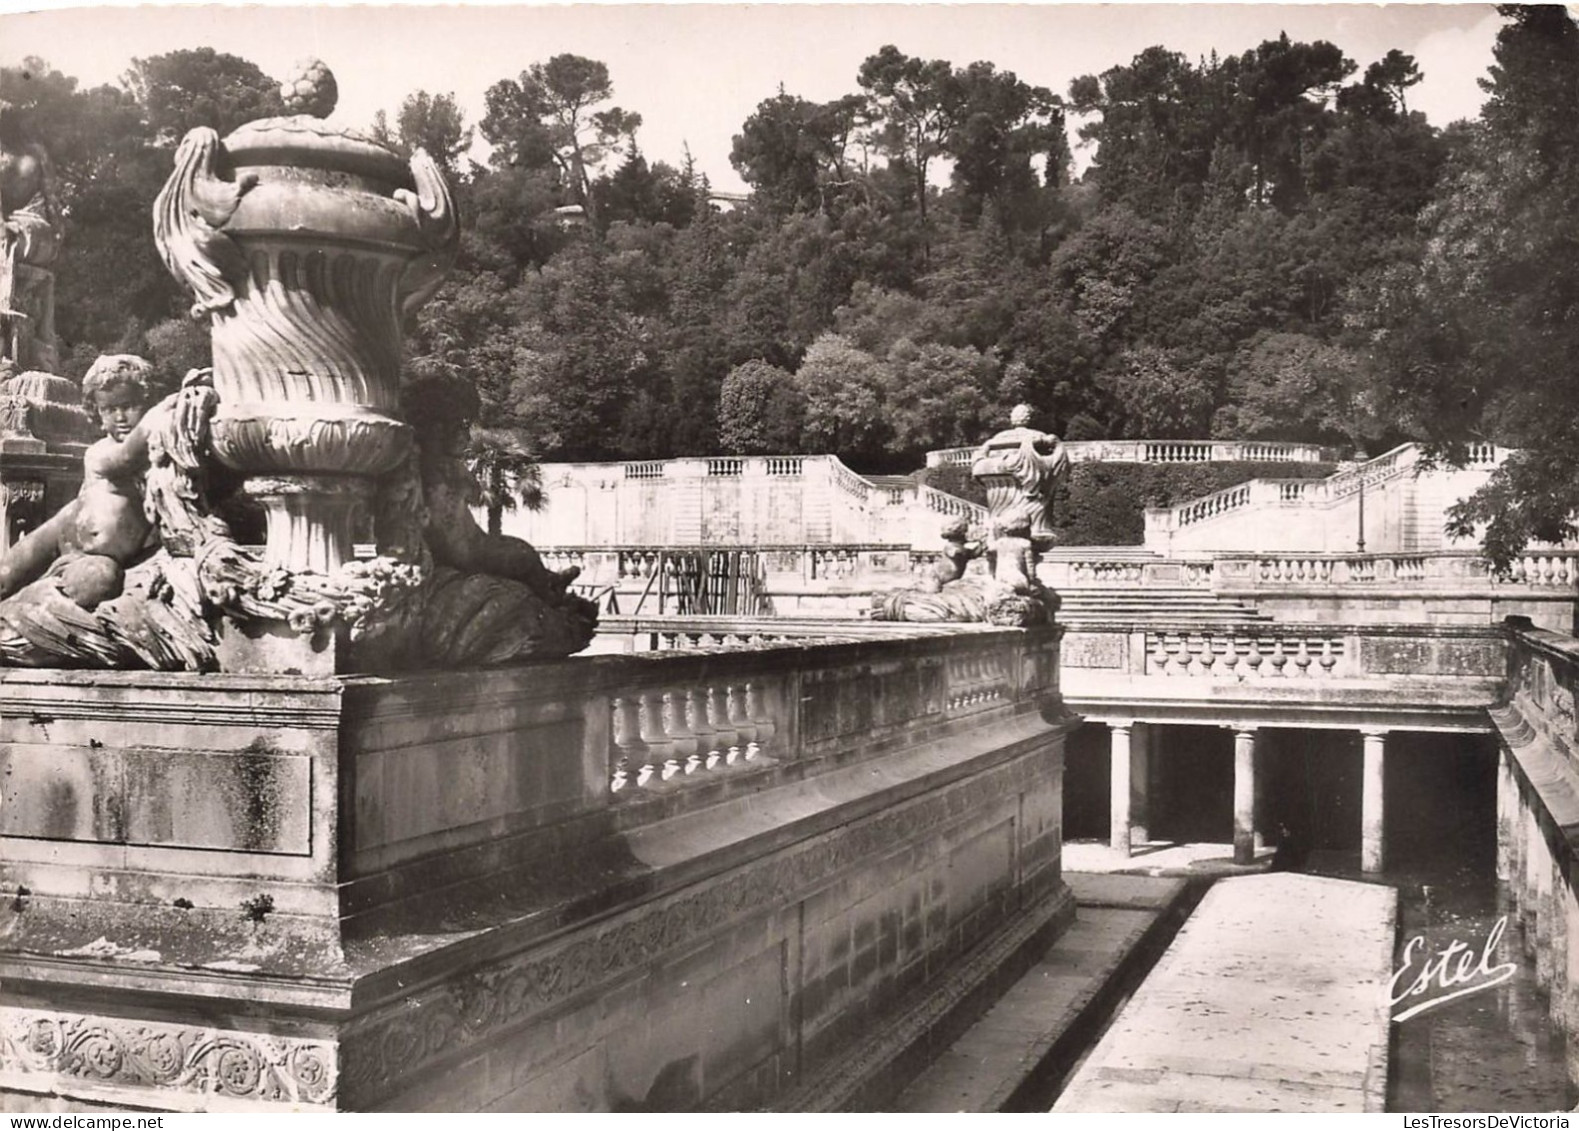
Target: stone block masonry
x=660 y=882
x=1274 y=997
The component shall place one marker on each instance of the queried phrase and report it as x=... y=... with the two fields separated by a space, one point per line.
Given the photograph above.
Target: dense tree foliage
x=1476 y=338
x=1240 y=258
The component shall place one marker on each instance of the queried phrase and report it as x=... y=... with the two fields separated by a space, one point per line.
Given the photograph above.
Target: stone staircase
x=1175 y=607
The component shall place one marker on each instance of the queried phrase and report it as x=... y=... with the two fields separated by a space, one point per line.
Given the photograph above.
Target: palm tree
x=506 y=470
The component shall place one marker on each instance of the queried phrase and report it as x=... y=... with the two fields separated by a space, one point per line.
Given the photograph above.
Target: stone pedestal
x=426 y=893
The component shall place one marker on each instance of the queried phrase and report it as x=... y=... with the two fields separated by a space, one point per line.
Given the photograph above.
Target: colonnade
x=1130 y=813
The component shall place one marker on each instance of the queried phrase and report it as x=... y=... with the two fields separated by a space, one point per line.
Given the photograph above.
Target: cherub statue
x=87 y=546
x=958 y=552
x=489 y=598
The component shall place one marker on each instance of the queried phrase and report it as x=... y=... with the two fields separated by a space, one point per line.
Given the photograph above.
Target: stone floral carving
x=1020 y=468
x=302 y=245
x=227 y=1064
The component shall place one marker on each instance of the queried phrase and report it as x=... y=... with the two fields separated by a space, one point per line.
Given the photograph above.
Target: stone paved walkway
x=1272 y=998
x=1052 y=1004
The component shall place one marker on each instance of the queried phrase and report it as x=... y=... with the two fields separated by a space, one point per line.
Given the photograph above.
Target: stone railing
x=951 y=505
x=1556 y=570
x=650 y=722
x=688 y=734
x=1165 y=451
x=1217 y=503
x=1283 y=492
x=1388 y=466
x=421 y=871
x=1112 y=568
x=784 y=466
x=692 y=722
x=848 y=481
x=1408 y=673
x=1241 y=655
x=734 y=501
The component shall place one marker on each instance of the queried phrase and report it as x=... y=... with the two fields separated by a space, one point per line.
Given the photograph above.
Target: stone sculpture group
x=303 y=246
x=1020 y=468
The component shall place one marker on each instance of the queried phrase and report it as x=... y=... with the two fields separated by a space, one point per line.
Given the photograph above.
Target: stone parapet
x=531 y=888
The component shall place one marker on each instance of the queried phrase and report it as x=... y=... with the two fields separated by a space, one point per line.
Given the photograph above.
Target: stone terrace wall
x=660 y=881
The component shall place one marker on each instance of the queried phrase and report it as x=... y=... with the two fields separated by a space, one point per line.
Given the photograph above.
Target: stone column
x=1244 y=796
x=1260 y=799
x=1119 y=812
x=1140 y=784
x=1372 y=856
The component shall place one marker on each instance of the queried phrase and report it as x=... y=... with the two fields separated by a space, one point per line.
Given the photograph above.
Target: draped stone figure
x=30 y=236
x=1020 y=468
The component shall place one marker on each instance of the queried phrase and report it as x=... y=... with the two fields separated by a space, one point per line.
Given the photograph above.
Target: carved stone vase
x=1019 y=468
x=305 y=245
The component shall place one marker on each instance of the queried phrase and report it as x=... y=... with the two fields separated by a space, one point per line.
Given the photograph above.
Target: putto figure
x=88 y=544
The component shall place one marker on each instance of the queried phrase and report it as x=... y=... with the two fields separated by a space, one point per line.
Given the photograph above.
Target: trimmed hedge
x=1104 y=504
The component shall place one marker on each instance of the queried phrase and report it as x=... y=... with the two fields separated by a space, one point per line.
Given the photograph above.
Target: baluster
x=1157 y=649
x=1255 y=659
x=1208 y=655
x=1302 y=658
x=745 y=733
x=1278 y=659
x=659 y=747
x=756 y=711
x=724 y=736
x=696 y=722
x=626 y=726
x=683 y=757
x=1328 y=657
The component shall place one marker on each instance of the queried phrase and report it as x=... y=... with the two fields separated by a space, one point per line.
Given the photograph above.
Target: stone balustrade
x=423 y=877
x=1166 y=451
x=1421 y=676
x=1408 y=494
x=838 y=580
x=1241 y=655
x=733 y=501
x=669 y=737
x=1556 y=570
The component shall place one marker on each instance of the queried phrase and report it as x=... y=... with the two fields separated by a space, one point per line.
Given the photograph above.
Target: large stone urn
x=305 y=245
x=1019 y=469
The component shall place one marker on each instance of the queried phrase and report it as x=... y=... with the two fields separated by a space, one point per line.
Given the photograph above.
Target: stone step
x=1272 y=998
x=1016 y=1054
